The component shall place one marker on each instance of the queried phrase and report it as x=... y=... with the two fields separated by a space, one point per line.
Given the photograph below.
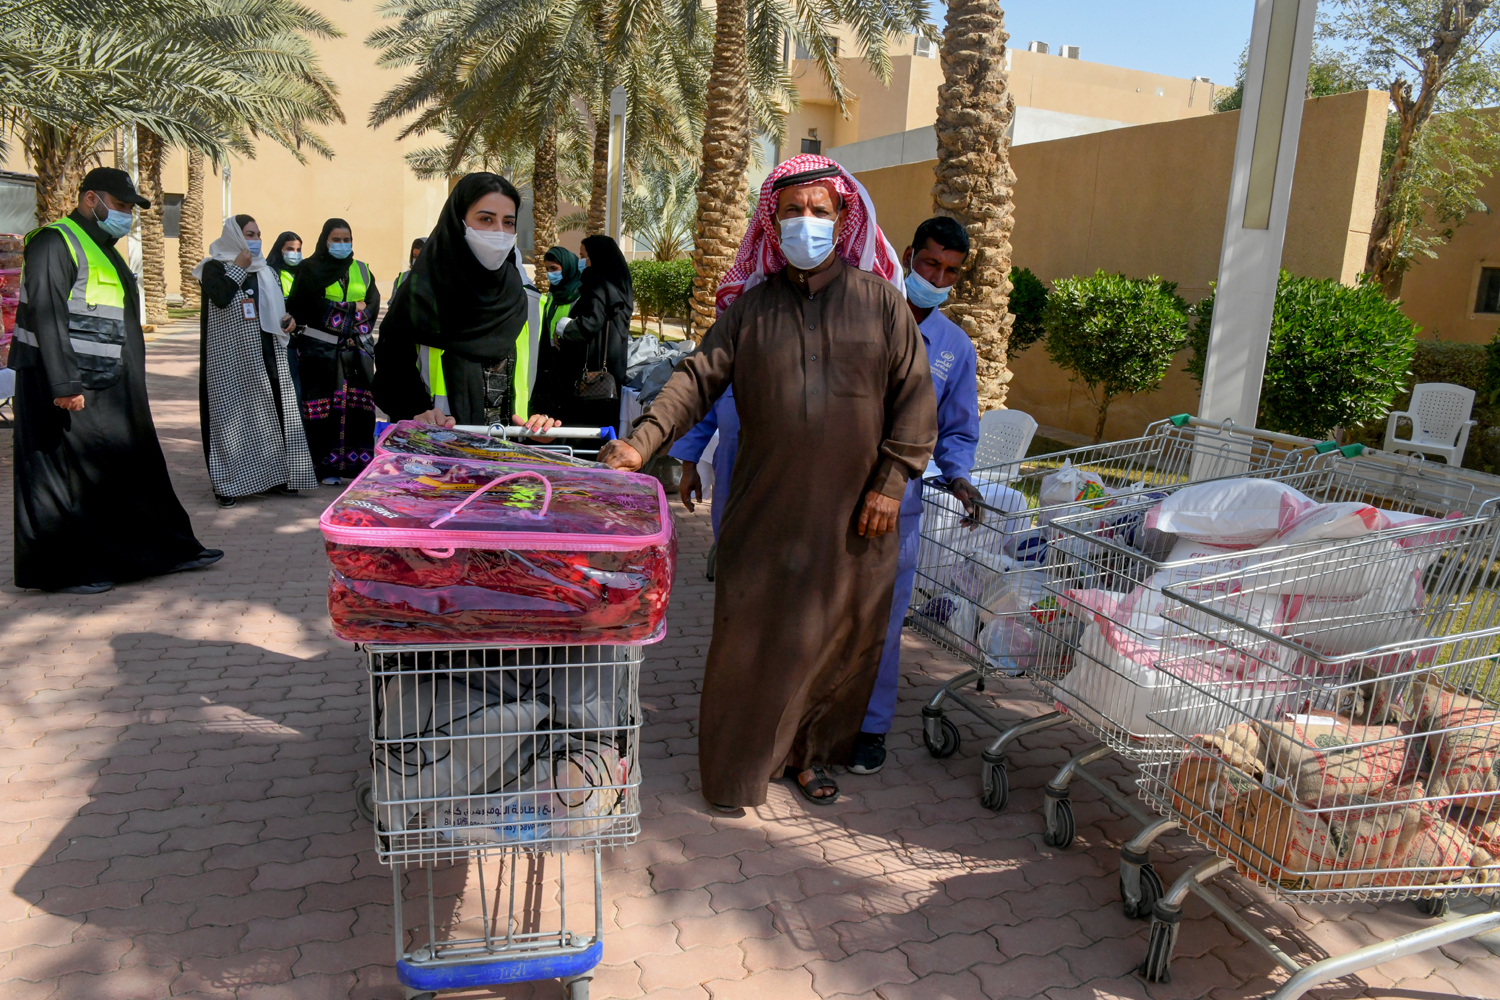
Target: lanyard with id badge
x=249 y=304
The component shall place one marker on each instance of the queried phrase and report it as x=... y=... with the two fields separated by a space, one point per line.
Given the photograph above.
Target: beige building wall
x=1440 y=295
x=1151 y=200
x=1047 y=82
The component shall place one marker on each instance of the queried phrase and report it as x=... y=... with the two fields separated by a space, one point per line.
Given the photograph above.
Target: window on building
x=1489 y=291
x=812 y=145
x=17 y=202
x=926 y=48
x=803 y=53
x=171 y=216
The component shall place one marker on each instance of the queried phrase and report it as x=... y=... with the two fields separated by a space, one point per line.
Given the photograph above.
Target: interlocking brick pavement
x=179 y=757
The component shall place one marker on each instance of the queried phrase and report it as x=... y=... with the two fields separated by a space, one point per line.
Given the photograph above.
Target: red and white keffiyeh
x=861 y=243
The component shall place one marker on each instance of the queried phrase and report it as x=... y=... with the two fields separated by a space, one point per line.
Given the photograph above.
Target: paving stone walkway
x=179 y=757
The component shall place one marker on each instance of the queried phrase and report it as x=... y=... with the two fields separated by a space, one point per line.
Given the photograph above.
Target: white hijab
x=272 y=304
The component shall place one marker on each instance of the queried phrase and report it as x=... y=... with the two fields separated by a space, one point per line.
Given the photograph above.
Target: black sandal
x=820 y=780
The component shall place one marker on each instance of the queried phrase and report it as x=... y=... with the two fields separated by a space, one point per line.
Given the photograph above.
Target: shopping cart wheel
x=364 y=800
x=996 y=786
x=577 y=989
x=1436 y=907
x=420 y=995
x=1150 y=888
x=940 y=735
x=1165 y=923
x=1060 y=826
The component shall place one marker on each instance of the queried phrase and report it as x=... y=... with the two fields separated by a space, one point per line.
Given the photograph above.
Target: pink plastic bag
x=432 y=549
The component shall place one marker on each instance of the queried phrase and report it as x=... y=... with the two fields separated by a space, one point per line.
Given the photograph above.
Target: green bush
x=1028 y=297
x=1338 y=355
x=1117 y=335
x=662 y=287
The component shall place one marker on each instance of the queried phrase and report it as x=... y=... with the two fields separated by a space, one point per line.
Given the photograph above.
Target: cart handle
x=446 y=515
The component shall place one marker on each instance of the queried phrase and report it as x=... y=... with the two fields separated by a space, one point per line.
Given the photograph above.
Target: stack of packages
x=1230 y=527
x=439 y=543
x=1323 y=802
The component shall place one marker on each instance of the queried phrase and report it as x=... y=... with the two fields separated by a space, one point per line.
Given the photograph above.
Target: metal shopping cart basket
x=585 y=441
x=498 y=775
x=961 y=565
x=1097 y=652
x=1337 y=731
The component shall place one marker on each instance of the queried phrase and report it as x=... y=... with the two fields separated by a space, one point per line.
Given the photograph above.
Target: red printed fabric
x=408 y=437
x=431 y=549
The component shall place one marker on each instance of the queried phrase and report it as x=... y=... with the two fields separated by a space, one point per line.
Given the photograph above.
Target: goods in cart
x=436 y=549
x=408 y=437
x=1370 y=775
x=978 y=589
x=1102 y=664
x=497 y=771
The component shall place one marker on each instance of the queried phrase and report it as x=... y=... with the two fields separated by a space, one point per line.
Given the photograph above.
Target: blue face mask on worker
x=116 y=224
x=806 y=240
x=254 y=246
x=341 y=250
x=294 y=257
x=924 y=294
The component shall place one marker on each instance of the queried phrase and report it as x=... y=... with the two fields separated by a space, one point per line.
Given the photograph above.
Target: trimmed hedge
x=662 y=287
x=1028 y=301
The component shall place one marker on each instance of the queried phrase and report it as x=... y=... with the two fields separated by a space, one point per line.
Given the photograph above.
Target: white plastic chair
x=1004 y=436
x=1440 y=424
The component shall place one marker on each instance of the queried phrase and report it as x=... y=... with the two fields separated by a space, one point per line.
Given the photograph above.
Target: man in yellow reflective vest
x=93 y=503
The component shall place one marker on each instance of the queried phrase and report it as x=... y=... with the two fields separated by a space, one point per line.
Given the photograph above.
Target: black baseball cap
x=113 y=181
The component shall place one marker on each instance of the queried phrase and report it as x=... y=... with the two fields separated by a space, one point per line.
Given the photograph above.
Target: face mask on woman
x=553 y=277
x=490 y=246
x=293 y=257
x=923 y=293
x=254 y=246
x=341 y=250
x=806 y=240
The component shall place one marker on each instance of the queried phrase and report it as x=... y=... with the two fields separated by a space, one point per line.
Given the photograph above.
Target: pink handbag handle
x=546 y=500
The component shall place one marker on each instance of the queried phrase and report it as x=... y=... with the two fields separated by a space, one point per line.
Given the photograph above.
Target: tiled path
x=178 y=757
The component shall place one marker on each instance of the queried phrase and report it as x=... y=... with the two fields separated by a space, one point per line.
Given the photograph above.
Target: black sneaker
x=869 y=753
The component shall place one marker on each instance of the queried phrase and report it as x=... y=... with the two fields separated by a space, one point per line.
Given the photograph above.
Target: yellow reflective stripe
x=286 y=282
x=436 y=384
x=359 y=285
x=523 y=373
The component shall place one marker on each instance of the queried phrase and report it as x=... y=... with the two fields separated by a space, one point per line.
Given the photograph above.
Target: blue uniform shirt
x=954 y=365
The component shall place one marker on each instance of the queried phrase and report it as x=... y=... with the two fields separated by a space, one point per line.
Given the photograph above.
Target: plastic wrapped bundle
x=431 y=549
x=409 y=437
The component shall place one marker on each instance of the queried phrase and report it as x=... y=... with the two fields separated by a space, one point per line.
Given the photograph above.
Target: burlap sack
x=1432 y=850
x=1305 y=850
x=1322 y=760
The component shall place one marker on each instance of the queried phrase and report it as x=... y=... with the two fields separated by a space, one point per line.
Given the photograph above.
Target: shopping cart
x=498 y=775
x=961 y=565
x=1096 y=657
x=1348 y=750
x=589 y=439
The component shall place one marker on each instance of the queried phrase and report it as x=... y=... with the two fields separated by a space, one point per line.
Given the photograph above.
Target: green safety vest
x=96 y=305
x=359 y=285
x=286 y=282
x=399 y=278
x=430 y=363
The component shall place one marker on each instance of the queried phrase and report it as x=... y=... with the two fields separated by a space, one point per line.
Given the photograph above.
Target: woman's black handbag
x=597 y=383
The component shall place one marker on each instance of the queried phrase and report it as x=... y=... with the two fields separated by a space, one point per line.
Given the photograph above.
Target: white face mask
x=490 y=246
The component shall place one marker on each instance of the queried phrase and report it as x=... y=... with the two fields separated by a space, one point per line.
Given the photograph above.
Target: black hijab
x=315 y=274
x=275 y=259
x=454 y=302
x=607 y=269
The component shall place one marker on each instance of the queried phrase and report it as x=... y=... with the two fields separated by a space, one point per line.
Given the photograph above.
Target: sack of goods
x=1326 y=803
x=408 y=437
x=435 y=549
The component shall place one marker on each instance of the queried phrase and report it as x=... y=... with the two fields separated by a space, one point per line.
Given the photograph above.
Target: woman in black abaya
x=466 y=300
x=335 y=302
x=594 y=336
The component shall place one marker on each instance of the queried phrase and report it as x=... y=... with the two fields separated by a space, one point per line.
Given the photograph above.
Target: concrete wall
x=1151 y=200
x=1439 y=295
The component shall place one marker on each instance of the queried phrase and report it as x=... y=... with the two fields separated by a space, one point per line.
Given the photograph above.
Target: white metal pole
x=616 y=162
x=1265 y=156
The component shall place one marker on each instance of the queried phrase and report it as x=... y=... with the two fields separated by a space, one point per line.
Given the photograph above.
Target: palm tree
x=150 y=151
x=658 y=210
x=747 y=54
x=190 y=229
x=975 y=182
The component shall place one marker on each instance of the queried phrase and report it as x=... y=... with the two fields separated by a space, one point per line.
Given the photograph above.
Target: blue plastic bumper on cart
x=498 y=972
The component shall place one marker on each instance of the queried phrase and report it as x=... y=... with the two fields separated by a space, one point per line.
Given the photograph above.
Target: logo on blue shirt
x=943 y=365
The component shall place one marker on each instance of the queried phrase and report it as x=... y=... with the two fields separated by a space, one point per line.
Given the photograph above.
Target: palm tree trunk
x=544 y=202
x=190 y=230
x=599 y=186
x=975 y=183
x=153 y=244
x=60 y=158
x=726 y=156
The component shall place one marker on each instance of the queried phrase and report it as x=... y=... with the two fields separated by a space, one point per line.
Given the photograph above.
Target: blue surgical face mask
x=116 y=224
x=292 y=257
x=341 y=250
x=583 y=264
x=806 y=240
x=924 y=294
x=254 y=246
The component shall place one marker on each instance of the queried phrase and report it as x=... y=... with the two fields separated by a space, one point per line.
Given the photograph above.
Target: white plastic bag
x=1069 y=485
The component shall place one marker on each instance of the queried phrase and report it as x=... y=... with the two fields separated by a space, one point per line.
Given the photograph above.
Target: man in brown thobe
x=837 y=412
